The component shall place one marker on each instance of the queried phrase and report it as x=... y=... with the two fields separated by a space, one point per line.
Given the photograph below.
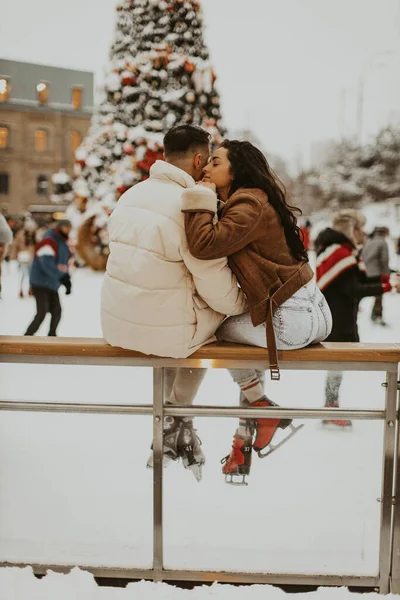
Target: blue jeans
x=302 y=320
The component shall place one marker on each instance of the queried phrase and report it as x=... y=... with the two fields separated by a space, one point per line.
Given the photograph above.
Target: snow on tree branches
x=354 y=173
x=159 y=76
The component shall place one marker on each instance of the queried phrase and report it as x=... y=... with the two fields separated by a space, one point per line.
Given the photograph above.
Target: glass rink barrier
x=80 y=420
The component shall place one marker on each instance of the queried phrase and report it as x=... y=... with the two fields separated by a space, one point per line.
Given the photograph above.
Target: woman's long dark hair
x=251 y=170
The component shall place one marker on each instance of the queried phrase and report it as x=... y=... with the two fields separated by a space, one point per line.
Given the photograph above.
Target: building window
x=42 y=90
x=42 y=185
x=77 y=97
x=76 y=139
x=4 y=137
x=5 y=87
x=41 y=140
x=3 y=183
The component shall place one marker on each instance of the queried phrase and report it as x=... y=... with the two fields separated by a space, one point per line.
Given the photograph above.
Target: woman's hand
x=209 y=185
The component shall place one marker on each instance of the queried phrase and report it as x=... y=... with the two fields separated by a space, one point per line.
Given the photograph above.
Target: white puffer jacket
x=156 y=297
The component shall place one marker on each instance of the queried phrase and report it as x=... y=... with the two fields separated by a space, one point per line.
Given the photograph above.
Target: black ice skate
x=181 y=441
x=172 y=430
x=189 y=449
x=379 y=321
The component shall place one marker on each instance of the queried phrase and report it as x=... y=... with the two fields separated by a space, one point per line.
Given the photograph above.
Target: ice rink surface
x=74 y=488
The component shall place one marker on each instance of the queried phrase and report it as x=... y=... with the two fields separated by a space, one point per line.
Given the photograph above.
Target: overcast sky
x=282 y=65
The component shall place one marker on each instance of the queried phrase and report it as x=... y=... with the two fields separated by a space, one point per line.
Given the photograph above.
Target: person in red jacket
x=306 y=232
x=48 y=272
x=342 y=278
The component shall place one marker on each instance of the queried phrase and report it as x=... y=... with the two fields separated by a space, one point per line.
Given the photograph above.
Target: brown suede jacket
x=249 y=232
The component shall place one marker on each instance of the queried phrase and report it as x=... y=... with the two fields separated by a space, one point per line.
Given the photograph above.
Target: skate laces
x=192 y=431
x=226 y=458
x=189 y=448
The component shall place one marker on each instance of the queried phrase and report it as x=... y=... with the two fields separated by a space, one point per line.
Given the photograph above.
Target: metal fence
x=388 y=578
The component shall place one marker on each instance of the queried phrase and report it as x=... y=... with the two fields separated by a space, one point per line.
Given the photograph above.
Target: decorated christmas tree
x=159 y=76
x=62 y=187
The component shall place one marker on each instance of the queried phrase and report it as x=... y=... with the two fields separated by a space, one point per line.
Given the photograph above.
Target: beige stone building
x=44 y=115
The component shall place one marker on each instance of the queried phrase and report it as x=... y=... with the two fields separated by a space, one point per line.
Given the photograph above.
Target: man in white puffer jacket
x=156 y=297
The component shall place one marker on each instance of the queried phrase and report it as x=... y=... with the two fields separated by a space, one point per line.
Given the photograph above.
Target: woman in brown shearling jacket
x=257 y=230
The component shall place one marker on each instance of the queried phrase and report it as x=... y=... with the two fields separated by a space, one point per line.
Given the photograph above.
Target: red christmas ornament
x=129 y=80
x=175 y=5
x=129 y=149
x=149 y=159
x=189 y=66
x=157 y=62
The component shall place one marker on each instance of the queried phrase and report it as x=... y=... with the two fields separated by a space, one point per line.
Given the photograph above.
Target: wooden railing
x=326 y=356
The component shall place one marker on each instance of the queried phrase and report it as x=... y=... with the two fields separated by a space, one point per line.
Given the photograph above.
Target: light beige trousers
x=181 y=385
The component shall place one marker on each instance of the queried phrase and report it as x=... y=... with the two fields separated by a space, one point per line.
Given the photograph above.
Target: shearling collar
x=167 y=172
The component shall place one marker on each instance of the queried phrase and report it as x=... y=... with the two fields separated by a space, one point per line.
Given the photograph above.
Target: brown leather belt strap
x=275 y=299
x=271 y=344
x=281 y=292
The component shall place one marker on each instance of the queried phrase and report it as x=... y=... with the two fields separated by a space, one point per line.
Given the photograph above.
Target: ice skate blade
x=229 y=479
x=329 y=426
x=272 y=447
x=197 y=471
x=167 y=460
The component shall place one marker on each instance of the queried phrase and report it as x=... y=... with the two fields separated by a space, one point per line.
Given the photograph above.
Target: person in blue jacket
x=48 y=272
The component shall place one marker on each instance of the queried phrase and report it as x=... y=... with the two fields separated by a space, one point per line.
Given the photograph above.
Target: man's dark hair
x=185 y=138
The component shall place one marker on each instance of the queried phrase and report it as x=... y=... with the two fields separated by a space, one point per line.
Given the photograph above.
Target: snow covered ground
x=74 y=488
x=20 y=584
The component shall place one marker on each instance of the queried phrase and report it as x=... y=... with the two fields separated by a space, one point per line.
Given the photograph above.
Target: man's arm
x=216 y=284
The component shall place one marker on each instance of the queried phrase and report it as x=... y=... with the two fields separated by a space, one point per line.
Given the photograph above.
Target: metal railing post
x=158 y=407
x=395 y=571
x=389 y=446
